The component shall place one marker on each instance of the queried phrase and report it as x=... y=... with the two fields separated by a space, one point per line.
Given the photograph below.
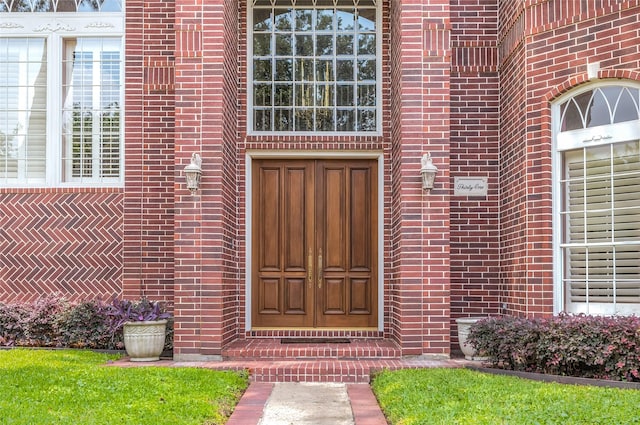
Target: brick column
x=420 y=289
x=205 y=224
x=149 y=174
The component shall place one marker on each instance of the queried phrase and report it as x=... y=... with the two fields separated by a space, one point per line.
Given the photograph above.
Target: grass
x=74 y=387
x=461 y=396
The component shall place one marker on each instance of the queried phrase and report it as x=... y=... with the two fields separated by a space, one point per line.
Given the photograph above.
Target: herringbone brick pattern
x=66 y=243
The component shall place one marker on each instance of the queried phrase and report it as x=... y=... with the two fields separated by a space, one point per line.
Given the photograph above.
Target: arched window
x=60 y=6
x=597 y=199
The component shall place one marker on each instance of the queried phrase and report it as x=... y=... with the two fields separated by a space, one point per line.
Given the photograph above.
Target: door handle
x=320 y=269
x=310 y=268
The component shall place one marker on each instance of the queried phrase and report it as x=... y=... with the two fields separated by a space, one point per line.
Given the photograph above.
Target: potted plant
x=464 y=326
x=144 y=327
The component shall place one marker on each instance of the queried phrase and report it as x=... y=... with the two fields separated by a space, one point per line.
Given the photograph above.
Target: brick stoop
x=268 y=360
x=273 y=349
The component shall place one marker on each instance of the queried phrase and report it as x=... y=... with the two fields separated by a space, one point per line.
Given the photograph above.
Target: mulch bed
x=557 y=378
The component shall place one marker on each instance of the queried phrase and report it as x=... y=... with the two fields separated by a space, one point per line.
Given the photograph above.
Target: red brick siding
x=475 y=259
x=420 y=284
x=513 y=182
x=149 y=144
x=469 y=81
x=231 y=277
x=559 y=39
x=65 y=242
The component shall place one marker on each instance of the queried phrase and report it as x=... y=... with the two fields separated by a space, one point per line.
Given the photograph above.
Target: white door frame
x=286 y=154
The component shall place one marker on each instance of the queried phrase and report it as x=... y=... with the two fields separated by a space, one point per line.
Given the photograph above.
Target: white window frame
x=378 y=107
x=56 y=27
x=603 y=135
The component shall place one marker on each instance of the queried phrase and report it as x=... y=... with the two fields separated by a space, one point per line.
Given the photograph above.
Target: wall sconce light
x=192 y=173
x=428 y=172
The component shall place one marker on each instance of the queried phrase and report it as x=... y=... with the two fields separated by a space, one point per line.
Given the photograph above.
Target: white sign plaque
x=470 y=186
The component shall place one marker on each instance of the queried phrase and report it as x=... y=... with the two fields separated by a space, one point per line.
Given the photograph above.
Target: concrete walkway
x=307 y=404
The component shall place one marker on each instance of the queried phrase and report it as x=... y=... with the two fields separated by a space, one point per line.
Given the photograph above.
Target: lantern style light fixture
x=428 y=172
x=192 y=173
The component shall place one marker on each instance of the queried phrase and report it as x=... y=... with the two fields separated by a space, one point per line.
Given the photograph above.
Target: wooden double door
x=314 y=244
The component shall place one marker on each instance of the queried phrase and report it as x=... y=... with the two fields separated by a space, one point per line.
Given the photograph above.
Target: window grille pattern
x=61 y=94
x=60 y=6
x=91 y=111
x=600 y=106
x=314 y=66
x=23 y=109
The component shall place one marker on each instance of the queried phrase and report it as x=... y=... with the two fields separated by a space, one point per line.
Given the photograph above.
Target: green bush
x=573 y=345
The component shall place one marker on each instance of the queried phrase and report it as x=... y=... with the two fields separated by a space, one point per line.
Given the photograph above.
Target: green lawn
x=73 y=387
x=461 y=396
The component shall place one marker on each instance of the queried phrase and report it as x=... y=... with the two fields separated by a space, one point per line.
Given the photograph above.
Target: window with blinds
x=23 y=107
x=91 y=111
x=61 y=90
x=600 y=211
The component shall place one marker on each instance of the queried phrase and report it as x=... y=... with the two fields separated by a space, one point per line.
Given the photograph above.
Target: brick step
x=308 y=370
x=343 y=371
x=274 y=349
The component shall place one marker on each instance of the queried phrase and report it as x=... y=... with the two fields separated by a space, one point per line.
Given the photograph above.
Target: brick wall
x=544 y=52
x=149 y=144
x=206 y=272
x=57 y=241
x=444 y=92
x=475 y=259
x=420 y=285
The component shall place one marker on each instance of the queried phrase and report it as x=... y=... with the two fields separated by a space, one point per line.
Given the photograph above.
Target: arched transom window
x=314 y=66
x=60 y=6
x=597 y=200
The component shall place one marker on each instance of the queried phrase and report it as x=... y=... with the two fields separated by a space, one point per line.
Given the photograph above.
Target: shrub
x=509 y=342
x=51 y=321
x=86 y=325
x=12 y=324
x=41 y=325
x=591 y=346
x=573 y=345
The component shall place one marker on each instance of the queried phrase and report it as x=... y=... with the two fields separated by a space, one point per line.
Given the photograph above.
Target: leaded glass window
x=60 y=6
x=314 y=66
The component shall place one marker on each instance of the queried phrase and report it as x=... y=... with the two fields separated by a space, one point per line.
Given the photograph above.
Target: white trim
x=259 y=154
x=597 y=136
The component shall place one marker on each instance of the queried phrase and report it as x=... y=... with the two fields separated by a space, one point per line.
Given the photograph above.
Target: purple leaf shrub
x=604 y=347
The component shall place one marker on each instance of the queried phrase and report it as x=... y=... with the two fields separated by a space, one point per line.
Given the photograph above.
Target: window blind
x=23 y=101
x=602 y=235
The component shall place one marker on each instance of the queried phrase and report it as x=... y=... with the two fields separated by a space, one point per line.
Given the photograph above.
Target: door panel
x=314 y=243
x=295 y=296
x=283 y=222
x=346 y=208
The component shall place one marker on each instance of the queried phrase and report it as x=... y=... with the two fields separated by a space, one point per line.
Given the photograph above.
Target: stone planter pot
x=144 y=341
x=464 y=324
